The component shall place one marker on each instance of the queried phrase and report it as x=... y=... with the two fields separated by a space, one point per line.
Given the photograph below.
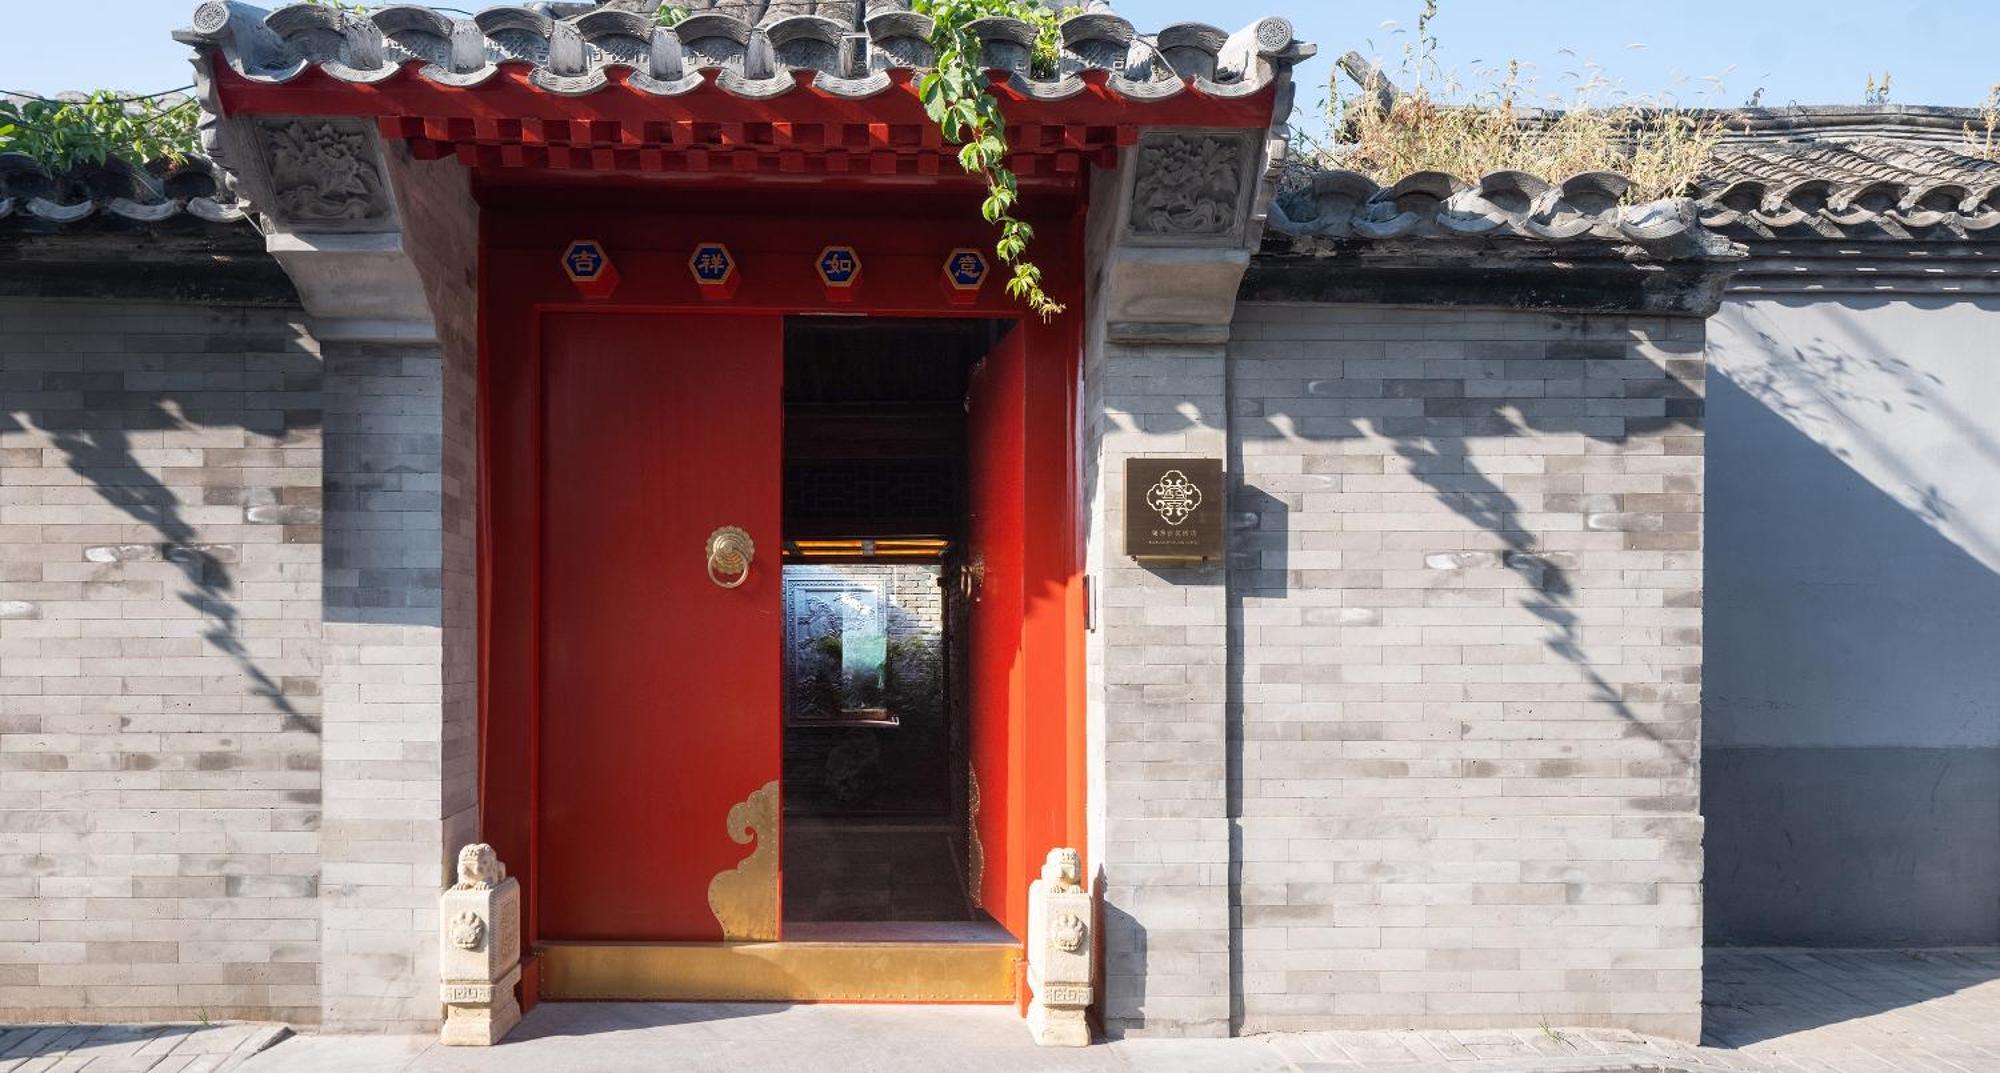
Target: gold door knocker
x=729 y=553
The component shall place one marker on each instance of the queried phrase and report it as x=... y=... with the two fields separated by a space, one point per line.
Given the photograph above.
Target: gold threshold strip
x=780 y=972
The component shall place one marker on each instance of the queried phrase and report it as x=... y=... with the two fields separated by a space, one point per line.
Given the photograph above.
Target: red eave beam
x=510 y=98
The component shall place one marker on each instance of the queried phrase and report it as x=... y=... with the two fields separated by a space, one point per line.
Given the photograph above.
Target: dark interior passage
x=875 y=716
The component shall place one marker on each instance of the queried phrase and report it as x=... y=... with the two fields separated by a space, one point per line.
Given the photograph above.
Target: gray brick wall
x=1464 y=624
x=159 y=663
x=1160 y=836
x=384 y=595
x=401 y=683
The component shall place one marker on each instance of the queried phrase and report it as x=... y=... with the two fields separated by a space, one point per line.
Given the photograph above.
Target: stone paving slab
x=176 y=1048
x=1769 y=1011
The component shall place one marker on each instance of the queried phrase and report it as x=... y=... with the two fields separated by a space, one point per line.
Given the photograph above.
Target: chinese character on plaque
x=840 y=272
x=590 y=268
x=715 y=270
x=964 y=275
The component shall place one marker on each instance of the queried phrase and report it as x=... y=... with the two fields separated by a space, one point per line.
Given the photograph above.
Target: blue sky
x=1938 y=51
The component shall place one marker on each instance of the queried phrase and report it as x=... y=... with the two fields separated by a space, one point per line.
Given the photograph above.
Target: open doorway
x=877 y=826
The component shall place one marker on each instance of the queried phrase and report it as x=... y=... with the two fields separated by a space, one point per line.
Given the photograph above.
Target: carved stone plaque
x=324 y=174
x=1174 y=508
x=1191 y=187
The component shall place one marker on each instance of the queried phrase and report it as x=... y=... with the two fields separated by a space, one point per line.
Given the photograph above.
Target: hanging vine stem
x=959 y=100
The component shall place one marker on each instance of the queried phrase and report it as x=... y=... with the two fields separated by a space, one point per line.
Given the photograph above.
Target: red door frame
x=904 y=250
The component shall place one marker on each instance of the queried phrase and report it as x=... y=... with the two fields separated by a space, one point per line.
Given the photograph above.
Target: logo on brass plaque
x=1173 y=508
x=1174 y=498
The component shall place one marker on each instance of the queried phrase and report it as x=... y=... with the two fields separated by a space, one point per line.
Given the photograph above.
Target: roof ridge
x=759 y=57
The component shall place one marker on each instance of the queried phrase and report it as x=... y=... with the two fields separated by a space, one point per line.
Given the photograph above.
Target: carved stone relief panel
x=1191 y=187
x=324 y=174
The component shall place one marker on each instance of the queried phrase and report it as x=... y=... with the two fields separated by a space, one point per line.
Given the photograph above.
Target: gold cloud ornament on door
x=745 y=898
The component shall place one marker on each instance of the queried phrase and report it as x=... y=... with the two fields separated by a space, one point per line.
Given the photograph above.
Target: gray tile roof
x=1911 y=123
x=1884 y=172
x=1874 y=187
x=754 y=49
x=1501 y=204
x=114 y=191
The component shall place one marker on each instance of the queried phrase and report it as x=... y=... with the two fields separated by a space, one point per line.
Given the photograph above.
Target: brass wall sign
x=1174 y=508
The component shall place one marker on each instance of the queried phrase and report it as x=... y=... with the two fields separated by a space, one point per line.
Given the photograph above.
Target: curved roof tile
x=1501 y=204
x=761 y=48
x=1869 y=188
x=115 y=189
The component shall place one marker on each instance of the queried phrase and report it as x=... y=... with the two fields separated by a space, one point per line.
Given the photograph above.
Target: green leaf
x=957 y=97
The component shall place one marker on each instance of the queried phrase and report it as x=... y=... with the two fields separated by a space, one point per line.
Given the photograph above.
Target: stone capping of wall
x=1875 y=188
x=131 y=231
x=1506 y=240
x=180 y=260
x=1886 y=268
x=1532 y=276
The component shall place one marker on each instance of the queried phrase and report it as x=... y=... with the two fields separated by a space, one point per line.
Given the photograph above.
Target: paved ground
x=133 y=1049
x=1769 y=1012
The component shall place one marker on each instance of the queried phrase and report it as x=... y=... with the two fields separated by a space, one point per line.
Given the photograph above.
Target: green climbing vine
x=956 y=95
x=64 y=134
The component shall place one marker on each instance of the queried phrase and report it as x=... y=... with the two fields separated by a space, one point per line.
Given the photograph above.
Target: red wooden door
x=996 y=670
x=660 y=724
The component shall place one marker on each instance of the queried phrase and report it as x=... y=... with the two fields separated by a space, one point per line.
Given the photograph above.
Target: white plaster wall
x=1853 y=705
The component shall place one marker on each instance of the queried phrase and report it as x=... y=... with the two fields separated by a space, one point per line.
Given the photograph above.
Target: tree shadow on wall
x=1822 y=383
x=92 y=417
x=1854 y=559
x=1590 y=388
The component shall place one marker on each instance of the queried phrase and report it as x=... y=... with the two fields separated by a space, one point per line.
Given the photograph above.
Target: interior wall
x=1852 y=783
x=870 y=771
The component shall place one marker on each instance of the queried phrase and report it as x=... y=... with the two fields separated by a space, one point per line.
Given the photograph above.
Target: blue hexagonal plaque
x=966 y=270
x=713 y=265
x=839 y=266
x=584 y=260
